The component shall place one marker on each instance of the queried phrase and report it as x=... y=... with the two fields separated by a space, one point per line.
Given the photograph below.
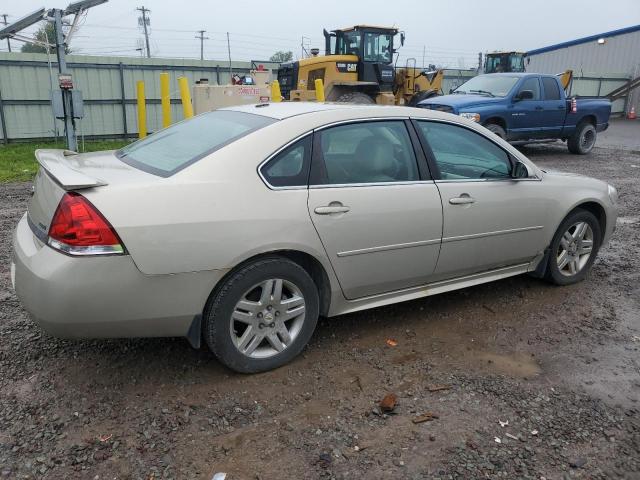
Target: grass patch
x=18 y=162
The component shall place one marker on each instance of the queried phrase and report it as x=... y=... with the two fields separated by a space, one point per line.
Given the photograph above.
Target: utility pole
x=69 y=123
x=4 y=22
x=479 y=62
x=230 y=68
x=303 y=50
x=202 y=39
x=144 y=21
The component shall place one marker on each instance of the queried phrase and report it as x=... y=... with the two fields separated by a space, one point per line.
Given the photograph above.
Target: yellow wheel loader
x=358 y=67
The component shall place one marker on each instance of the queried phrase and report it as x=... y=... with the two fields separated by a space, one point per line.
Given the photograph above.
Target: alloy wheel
x=267 y=318
x=574 y=249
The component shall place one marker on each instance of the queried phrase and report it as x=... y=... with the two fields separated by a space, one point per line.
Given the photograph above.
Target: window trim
x=278 y=152
x=424 y=175
x=433 y=166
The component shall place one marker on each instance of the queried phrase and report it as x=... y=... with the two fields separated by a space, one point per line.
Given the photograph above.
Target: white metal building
x=611 y=57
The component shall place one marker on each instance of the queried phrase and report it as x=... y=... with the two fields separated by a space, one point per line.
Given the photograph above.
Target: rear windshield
x=176 y=147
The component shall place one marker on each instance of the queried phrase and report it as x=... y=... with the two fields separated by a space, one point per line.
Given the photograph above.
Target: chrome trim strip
x=385 y=248
x=467 y=180
x=374 y=184
x=490 y=234
x=362 y=120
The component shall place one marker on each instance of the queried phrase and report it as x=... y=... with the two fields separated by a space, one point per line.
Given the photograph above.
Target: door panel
x=379 y=238
x=489 y=219
x=526 y=115
x=554 y=107
x=503 y=225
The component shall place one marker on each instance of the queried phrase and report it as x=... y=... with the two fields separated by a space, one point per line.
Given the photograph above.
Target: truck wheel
x=583 y=139
x=420 y=96
x=355 y=97
x=497 y=129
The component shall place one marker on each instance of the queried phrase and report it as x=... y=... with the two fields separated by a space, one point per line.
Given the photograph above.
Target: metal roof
x=591 y=38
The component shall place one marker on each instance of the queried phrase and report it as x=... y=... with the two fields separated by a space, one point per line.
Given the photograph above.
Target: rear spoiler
x=61 y=168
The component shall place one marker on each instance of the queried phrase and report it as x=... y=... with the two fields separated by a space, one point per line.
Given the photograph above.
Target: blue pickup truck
x=527 y=108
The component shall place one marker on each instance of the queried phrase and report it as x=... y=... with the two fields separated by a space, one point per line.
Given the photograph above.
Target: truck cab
x=357 y=67
x=504 y=62
x=374 y=48
x=527 y=108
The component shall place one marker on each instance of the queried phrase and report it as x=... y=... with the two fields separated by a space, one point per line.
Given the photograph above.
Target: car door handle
x=332 y=208
x=463 y=199
x=539 y=108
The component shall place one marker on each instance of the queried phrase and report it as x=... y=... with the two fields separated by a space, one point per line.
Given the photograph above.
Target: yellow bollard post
x=165 y=99
x=319 y=90
x=187 y=108
x=142 y=110
x=276 y=95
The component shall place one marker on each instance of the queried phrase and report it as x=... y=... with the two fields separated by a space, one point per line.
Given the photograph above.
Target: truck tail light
x=574 y=105
x=78 y=228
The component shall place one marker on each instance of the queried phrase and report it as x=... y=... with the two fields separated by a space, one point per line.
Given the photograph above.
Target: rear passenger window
x=368 y=152
x=289 y=168
x=551 y=89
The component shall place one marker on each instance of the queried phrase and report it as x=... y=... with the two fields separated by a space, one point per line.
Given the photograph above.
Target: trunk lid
x=63 y=170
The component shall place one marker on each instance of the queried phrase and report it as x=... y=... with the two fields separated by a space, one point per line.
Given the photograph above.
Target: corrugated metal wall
x=108 y=86
x=618 y=58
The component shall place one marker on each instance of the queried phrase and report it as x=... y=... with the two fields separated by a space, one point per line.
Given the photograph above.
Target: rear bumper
x=105 y=296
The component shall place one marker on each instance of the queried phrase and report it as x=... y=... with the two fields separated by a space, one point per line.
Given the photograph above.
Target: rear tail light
x=78 y=228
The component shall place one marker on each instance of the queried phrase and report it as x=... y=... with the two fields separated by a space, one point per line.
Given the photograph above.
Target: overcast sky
x=452 y=32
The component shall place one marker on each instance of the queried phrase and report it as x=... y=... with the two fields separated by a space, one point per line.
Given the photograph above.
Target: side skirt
x=413 y=293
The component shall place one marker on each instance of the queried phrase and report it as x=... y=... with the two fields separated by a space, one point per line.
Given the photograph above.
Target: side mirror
x=519 y=170
x=451 y=91
x=524 y=95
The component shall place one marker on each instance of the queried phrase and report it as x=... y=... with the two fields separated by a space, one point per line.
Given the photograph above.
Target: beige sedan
x=241 y=226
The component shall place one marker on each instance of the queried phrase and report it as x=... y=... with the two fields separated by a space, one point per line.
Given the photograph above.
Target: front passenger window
x=364 y=153
x=461 y=154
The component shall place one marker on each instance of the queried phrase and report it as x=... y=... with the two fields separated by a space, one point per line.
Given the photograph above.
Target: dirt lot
x=560 y=365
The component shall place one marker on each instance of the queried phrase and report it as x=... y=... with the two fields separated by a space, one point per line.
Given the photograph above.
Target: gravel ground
x=560 y=365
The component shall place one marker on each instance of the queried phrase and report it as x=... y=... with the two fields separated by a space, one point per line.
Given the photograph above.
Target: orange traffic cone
x=632 y=114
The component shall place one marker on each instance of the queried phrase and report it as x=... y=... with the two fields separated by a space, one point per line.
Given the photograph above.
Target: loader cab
x=497 y=62
x=374 y=48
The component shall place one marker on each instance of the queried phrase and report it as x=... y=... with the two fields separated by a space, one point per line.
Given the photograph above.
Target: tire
x=583 y=139
x=356 y=97
x=563 y=274
x=420 y=96
x=261 y=315
x=497 y=129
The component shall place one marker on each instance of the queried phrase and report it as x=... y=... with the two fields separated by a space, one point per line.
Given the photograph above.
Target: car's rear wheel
x=574 y=248
x=583 y=139
x=262 y=316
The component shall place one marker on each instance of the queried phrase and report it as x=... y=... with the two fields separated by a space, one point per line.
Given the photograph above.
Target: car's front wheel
x=574 y=248
x=262 y=316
